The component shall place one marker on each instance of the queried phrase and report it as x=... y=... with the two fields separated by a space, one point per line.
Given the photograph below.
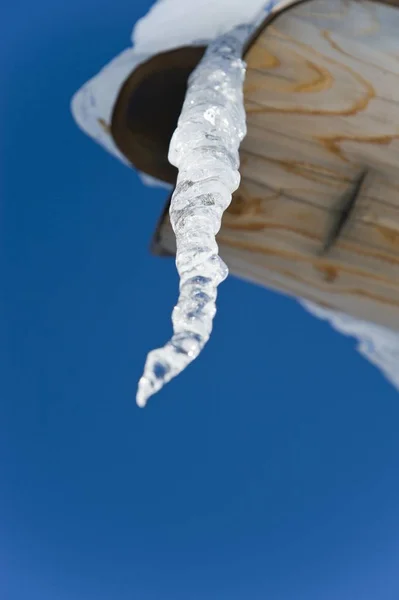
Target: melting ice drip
x=204 y=148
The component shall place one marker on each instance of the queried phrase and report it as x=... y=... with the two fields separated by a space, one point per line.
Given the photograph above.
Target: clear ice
x=204 y=148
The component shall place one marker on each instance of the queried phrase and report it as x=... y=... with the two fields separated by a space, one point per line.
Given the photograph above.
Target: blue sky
x=269 y=470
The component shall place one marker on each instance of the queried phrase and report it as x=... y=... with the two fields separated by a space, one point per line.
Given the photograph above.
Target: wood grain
x=322 y=102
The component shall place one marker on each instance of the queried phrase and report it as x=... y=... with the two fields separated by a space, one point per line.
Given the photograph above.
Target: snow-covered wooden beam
x=322 y=103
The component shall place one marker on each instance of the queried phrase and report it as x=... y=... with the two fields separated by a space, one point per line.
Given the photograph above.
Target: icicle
x=204 y=147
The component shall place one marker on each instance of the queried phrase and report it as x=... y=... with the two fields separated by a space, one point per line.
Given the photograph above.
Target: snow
x=153 y=182
x=377 y=344
x=169 y=24
x=173 y=23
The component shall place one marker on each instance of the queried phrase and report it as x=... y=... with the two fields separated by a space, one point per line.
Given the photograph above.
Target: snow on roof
x=173 y=23
x=169 y=24
x=379 y=345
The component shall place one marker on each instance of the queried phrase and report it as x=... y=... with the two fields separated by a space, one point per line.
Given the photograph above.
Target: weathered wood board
x=322 y=102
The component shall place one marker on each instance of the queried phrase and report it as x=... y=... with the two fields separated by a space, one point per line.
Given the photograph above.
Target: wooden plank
x=322 y=101
x=373 y=227
x=332 y=283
